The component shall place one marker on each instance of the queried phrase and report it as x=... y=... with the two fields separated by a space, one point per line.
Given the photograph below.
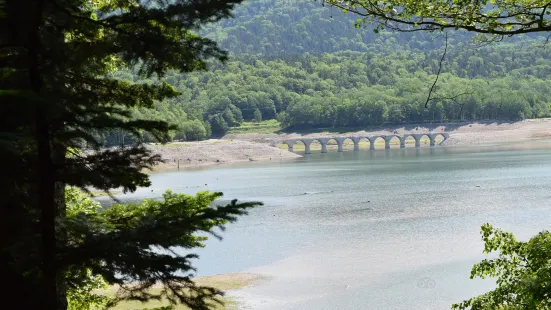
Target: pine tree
x=56 y=95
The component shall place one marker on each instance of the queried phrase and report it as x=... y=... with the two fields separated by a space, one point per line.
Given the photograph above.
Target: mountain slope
x=308 y=66
x=276 y=27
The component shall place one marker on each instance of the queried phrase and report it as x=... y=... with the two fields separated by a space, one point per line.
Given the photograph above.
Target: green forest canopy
x=307 y=66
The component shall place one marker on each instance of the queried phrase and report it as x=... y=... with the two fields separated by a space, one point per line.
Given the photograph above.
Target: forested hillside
x=308 y=66
x=280 y=27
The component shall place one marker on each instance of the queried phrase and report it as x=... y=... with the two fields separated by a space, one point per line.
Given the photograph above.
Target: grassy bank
x=274 y=127
x=265 y=127
x=226 y=282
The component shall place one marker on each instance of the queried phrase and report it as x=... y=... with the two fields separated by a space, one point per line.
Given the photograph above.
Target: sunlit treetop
x=494 y=17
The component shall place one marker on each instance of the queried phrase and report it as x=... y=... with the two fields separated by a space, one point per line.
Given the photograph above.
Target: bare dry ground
x=252 y=147
x=225 y=282
x=212 y=152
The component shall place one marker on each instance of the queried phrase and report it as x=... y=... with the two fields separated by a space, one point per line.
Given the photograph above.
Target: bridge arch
x=439 y=137
x=426 y=138
x=291 y=144
x=421 y=138
x=433 y=138
x=355 y=140
x=323 y=142
x=389 y=141
x=336 y=141
x=364 y=142
x=373 y=141
x=409 y=140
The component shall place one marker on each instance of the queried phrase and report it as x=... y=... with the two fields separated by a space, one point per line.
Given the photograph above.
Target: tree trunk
x=46 y=192
x=61 y=237
x=46 y=174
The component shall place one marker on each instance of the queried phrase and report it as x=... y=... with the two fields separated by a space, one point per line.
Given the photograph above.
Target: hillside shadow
x=339 y=130
x=390 y=127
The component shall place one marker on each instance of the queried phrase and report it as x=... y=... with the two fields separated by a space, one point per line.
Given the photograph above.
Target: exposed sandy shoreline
x=253 y=147
x=230 y=283
x=214 y=152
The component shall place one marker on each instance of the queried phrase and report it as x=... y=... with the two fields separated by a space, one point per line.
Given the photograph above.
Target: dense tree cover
x=118 y=243
x=522 y=270
x=498 y=17
x=274 y=27
x=308 y=66
x=351 y=89
x=57 y=93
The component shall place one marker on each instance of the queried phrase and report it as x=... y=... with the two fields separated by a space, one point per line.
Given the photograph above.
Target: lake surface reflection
x=395 y=229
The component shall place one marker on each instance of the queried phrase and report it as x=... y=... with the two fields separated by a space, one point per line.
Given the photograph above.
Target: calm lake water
x=395 y=229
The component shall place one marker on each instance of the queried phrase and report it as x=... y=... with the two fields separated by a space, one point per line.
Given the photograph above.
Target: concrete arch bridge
x=356 y=140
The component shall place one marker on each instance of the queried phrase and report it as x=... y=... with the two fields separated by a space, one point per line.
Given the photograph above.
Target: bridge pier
x=307 y=146
x=323 y=143
x=356 y=141
x=387 y=141
x=417 y=138
x=340 y=143
x=290 y=146
x=372 y=142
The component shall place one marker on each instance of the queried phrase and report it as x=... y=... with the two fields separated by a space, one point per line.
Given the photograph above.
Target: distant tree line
x=353 y=89
x=323 y=72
